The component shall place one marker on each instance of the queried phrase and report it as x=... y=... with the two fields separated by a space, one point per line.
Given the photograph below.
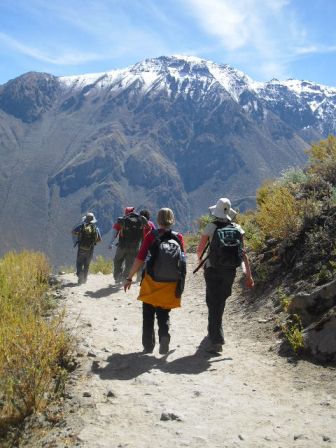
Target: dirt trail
x=248 y=396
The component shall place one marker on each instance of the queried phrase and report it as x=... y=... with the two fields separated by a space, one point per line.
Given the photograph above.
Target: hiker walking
x=130 y=230
x=87 y=235
x=163 y=282
x=150 y=225
x=224 y=243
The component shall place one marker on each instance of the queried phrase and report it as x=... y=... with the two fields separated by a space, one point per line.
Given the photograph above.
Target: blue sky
x=264 y=38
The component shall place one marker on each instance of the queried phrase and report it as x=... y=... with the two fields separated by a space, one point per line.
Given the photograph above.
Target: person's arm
x=137 y=264
x=75 y=230
x=248 y=276
x=140 y=260
x=201 y=246
x=180 y=237
x=115 y=232
x=99 y=238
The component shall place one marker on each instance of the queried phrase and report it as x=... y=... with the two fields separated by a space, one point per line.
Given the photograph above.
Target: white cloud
x=315 y=49
x=262 y=32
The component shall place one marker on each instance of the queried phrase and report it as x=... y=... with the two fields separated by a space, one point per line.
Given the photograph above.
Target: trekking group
x=157 y=257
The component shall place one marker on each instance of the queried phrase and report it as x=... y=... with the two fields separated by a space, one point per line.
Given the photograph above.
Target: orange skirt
x=161 y=294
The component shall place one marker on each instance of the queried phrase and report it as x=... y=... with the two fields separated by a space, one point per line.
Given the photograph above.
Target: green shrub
x=102 y=265
x=293 y=179
x=285 y=300
x=261 y=274
x=324 y=275
x=253 y=237
x=292 y=330
x=192 y=239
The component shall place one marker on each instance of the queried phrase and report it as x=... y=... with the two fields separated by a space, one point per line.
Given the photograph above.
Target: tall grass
x=101 y=265
x=31 y=347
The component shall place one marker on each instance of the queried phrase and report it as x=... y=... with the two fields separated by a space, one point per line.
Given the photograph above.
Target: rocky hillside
x=293 y=249
x=171 y=131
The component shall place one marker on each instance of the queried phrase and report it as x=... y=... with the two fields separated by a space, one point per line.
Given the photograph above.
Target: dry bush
x=31 y=348
x=279 y=214
x=191 y=240
x=253 y=238
x=323 y=150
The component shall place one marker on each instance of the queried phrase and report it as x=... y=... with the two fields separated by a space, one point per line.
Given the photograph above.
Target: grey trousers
x=123 y=261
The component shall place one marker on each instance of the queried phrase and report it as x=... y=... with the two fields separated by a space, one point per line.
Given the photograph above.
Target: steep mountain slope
x=172 y=131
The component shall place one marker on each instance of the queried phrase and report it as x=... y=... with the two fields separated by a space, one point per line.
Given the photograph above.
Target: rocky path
x=248 y=396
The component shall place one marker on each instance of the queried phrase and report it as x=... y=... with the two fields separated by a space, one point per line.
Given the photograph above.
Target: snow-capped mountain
x=172 y=131
x=187 y=75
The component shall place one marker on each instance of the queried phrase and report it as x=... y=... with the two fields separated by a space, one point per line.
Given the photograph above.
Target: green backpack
x=87 y=236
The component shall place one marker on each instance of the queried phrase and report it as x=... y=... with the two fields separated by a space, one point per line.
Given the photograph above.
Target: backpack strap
x=168 y=234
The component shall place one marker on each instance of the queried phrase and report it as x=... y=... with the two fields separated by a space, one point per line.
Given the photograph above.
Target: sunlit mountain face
x=173 y=131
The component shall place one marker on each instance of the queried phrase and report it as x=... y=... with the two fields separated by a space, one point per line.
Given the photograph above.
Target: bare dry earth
x=249 y=396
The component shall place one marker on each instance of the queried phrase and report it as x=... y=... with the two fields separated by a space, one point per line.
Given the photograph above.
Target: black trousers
x=218 y=289
x=148 y=316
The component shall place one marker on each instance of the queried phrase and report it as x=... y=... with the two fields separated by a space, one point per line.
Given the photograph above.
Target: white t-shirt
x=210 y=230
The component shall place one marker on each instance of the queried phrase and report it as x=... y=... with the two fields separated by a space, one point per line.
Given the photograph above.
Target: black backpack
x=167 y=261
x=226 y=247
x=132 y=226
x=87 y=236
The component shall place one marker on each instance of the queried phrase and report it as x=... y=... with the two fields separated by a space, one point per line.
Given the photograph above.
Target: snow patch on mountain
x=194 y=76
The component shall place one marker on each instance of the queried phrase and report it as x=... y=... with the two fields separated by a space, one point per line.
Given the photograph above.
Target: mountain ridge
x=164 y=132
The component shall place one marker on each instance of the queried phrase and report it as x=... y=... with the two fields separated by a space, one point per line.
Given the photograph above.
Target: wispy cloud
x=77 y=32
x=315 y=49
x=65 y=58
x=265 y=33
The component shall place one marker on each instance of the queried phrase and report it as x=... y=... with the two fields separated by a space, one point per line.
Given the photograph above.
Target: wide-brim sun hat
x=222 y=209
x=89 y=217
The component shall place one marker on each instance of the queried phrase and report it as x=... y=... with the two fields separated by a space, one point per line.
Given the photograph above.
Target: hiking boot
x=215 y=348
x=80 y=278
x=164 y=345
x=147 y=350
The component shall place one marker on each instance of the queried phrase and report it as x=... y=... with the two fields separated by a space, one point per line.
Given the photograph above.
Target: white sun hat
x=222 y=209
x=89 y=217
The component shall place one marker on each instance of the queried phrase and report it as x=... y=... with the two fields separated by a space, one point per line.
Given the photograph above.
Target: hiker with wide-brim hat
x=158 y=292
x=222 y=245
x=87 y=235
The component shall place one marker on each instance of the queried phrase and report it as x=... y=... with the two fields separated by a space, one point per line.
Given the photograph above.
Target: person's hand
x=249 y=282
x=127 y=284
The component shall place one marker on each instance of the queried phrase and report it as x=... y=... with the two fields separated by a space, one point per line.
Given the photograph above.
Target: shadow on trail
x=103 y=292
x=126 y=366
x=69 y=285
x=131 y=365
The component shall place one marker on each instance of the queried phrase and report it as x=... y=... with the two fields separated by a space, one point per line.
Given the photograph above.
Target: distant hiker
x=87 y=236
x=151 y=225
x=223 y=240
x=163 y=282
x=130 y=230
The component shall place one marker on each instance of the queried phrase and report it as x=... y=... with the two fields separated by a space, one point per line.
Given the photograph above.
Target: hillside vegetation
x=291 y=237
x=33 y=345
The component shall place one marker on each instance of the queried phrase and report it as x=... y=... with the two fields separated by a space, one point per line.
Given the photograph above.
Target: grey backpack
x=167 y=260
